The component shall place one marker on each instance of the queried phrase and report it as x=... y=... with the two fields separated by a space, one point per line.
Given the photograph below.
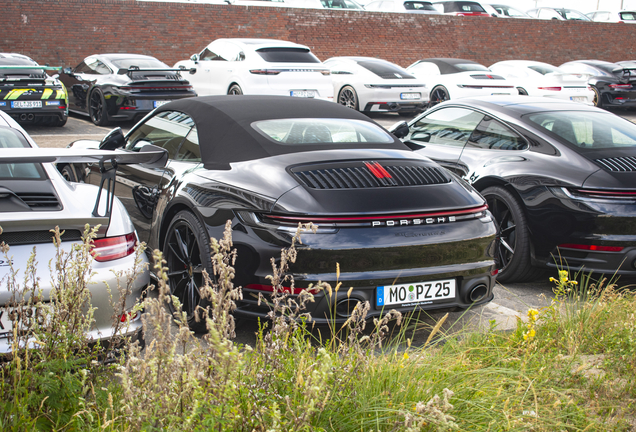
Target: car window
x=548 y=14
x=588 y=130
x=446 y=126
x=95 y=66
x=167 y=130
x=385 y=70
x=582 y=68
x=287 y=55
x=628 y=16
x=82 y=68
x=570 y=14
x=425 y=68
x=544 y=69
x=10 y=138
x=140 y=62
x=207 y=55
x=493 y=135
x=418 y=5
x=190 y=150
x=318 y=131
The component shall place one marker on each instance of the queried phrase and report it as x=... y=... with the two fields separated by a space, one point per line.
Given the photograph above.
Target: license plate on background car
x=26 y=104
x=415 y=293
x=6 y=324
x=159 y=103
x=582 y=99
x=410 y=96
x=303 y=93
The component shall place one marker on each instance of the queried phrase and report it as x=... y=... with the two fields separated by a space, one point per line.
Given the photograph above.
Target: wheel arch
x=233 y=83
x=169 y=214
x=487 y=182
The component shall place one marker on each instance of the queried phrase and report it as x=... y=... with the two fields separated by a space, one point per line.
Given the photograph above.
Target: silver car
x=34 y=198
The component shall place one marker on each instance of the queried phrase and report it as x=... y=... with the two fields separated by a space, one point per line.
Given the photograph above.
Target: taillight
x=264 y=71
x=620 y=86
x=550 y=88
x=591 y=247
x=112 y=248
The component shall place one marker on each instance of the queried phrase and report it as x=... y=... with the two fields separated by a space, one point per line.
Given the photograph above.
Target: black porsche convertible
x=120 y=87
x=559 y=178
x=406 y=233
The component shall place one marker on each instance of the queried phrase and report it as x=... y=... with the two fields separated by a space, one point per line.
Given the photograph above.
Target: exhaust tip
x=30 y=117
x=393 y=106
x=23 y=117
x=345 y=307
x=478 y=292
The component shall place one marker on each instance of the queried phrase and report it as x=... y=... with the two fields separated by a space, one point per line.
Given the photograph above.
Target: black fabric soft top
x=226 y=135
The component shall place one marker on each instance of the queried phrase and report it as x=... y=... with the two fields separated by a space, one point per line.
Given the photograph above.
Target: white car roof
x=254 y=43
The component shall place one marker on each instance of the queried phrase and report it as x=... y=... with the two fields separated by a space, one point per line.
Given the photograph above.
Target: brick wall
x=62 y=32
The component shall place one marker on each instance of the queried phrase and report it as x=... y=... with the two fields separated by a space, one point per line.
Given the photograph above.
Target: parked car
x=505 y=11
x=326 y=4
x=406 y=233
x=408 y=6
x=259 y=66
x=28 y=94
x=122 y=87
x=451 y=78
x=613 y=84
x=460 y=8
x=35 y=198
x=542 y=79
x=559 y=178
x=613 y=16
x=559 y=14
x=373 y=85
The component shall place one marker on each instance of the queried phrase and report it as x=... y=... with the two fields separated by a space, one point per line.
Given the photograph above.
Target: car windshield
x=287 y=55
x=544 y=69
x=587 y=130
x=570 y=14
x=10 y=138
x=142 y=63
x=385 y=70
x=299 y=131
x=628 y=16
x=471 y=67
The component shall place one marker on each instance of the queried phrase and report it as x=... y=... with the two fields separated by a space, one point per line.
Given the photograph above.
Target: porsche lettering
x=419 y=221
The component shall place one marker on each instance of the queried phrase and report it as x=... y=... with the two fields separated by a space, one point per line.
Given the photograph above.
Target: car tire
x=97 y=109
x=348 y=97
x=68 y=173
x=235 y=90
x=438 y=94
x=598 y=99
x=186 y=250
x=522 y=91
x=514 y=238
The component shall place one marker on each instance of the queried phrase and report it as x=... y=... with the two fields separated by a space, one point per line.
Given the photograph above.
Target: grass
x=568 y=367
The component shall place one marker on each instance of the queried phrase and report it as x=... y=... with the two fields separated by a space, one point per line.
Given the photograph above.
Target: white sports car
x=35 y=198
x=451 y=78
x=373 y=85
x=542 y=79
x=258 y=67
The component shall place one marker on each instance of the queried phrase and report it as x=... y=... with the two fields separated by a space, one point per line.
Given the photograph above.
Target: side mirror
x=195 y=58
x=113 y=140
x=67 y=70
x=400 y=130
x=160 y=161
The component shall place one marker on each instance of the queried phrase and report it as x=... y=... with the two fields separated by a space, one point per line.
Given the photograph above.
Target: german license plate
x=8 y=315
x=410 y=96
x=412 y=294
x=26 y=104
x=303 y=93
x=159 y=103
x=581 y=99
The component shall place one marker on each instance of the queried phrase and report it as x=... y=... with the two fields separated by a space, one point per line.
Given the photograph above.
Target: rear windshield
x=10 y=138
x=287 y=55
x=544 y=69
x=418 y=5
x=14 y=61
x=464 y=7
x=385 y=70
x=299 y=131
x=142 y=63
x=588 y=130
x=628 y=16
x=471 y=67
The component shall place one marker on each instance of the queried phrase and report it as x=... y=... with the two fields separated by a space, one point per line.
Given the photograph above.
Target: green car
x=29 y=94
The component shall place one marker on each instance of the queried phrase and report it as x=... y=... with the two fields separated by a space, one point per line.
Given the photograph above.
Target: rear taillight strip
x=112 y=248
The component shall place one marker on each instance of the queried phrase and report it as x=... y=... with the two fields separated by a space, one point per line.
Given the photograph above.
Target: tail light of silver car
x=112 y=248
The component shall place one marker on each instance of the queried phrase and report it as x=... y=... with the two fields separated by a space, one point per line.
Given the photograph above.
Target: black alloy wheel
x=68 y=173
x=438 y=94
x=187 y=252
x=235 y=90
x=522 y=91
x=348 y=97
x=598 y=100
x=97 y=109
x=514 y=238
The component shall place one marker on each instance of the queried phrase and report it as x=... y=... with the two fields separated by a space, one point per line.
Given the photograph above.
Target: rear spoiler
x=55 y=68
x=115 y=157
x=133 y=69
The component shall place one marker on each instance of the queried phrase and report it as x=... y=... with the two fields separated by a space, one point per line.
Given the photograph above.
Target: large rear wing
x=149 y=155
x=133 y=69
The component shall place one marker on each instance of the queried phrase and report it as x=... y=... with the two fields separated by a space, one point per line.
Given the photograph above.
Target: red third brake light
x=112 y=248
x=550 y=88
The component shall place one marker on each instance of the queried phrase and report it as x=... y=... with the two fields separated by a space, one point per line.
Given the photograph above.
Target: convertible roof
x=226 y=135
x=447 y=65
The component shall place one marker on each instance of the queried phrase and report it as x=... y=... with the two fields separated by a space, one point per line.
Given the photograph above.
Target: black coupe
x=614 y=84
x=119 y=87
x=406 y=233
x=559 y=178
